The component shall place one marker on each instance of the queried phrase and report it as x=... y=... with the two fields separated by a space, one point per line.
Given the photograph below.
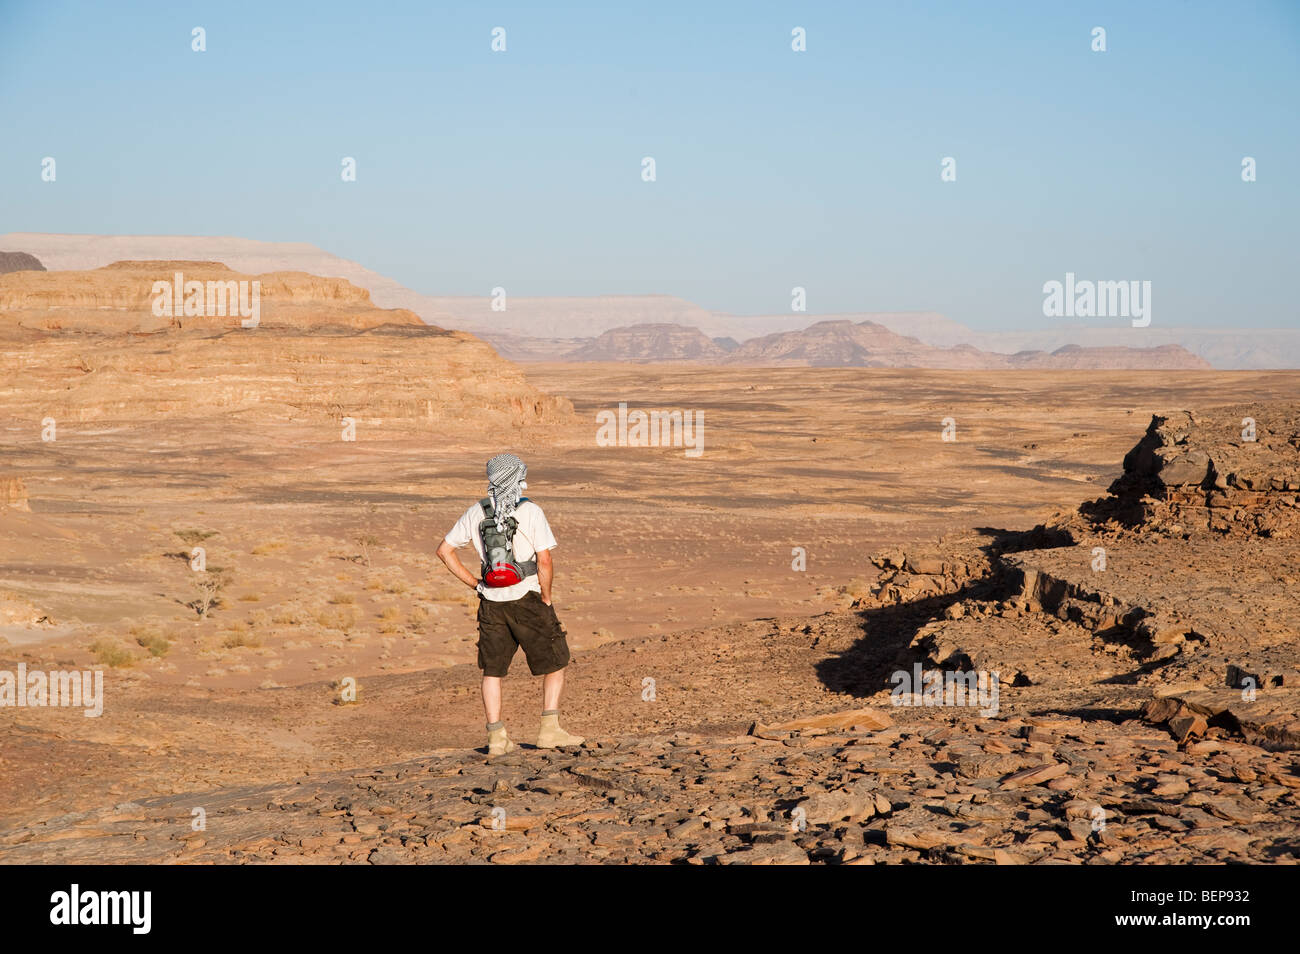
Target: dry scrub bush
x=111 y=654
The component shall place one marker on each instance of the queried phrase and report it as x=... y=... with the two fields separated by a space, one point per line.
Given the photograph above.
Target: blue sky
x=775 y=168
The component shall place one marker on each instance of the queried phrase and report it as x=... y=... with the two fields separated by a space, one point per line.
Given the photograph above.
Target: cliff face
x=83 y=346
x=122 y=296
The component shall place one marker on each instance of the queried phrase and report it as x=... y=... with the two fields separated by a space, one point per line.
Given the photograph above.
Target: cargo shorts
x=503 y=627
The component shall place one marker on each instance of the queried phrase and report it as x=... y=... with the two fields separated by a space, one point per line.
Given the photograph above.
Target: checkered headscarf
x=505 y=474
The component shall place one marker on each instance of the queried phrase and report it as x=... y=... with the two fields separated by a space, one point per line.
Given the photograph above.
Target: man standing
x=514 y=544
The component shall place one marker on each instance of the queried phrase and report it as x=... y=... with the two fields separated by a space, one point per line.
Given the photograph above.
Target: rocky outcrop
x=1231 y=470
x=1182 y=576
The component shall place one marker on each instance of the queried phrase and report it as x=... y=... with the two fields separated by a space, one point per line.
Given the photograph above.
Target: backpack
x=499 y=565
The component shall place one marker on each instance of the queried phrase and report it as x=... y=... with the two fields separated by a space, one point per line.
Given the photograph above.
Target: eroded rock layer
x=111 y=344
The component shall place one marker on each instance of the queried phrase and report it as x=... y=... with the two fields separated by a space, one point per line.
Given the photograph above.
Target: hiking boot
x=552 y=736
x=498 y=742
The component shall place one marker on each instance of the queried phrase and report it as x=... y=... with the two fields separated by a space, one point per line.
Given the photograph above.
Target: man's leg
x=492 y=697
x=551 y=735
x=552 y=686
x=538 y=630
x=496 y=646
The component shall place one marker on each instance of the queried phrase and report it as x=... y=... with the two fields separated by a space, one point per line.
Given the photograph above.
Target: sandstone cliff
x=82 y=346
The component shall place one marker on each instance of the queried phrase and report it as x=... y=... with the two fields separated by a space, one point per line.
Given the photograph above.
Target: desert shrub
x=156 y=643
x=337 y=619
x=112 y=654
x=287 y=616
x=238 y=638
x=194 y=537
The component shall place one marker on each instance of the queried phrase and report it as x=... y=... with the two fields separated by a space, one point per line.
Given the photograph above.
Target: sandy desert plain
x=673 y=568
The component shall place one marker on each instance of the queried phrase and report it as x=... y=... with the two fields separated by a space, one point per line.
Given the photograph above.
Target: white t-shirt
x=531 y=536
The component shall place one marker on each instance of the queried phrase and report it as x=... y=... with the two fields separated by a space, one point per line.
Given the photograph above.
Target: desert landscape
x=236 y=526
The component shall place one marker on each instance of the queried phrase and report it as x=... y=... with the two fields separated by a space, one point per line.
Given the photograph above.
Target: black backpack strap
x=486 y=506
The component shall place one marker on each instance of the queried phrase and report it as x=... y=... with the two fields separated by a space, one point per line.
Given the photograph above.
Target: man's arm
x=545 y=571
x=447 y=554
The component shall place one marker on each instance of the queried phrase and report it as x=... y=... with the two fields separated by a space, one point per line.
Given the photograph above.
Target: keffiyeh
x=505 y=474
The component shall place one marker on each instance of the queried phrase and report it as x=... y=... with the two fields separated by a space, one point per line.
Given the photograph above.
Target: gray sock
x=547 y=712
x=493 y=726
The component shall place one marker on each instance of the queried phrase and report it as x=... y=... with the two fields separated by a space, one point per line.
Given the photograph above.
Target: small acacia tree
x=208 y=585
x=366 y=541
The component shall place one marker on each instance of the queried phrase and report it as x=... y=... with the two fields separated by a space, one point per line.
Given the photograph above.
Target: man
x=514 y=544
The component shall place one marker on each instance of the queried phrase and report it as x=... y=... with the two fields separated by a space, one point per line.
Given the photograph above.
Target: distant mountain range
x=836 y=344
x=572 y=328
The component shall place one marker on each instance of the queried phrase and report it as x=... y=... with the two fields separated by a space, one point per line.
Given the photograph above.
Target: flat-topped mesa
x=149 y=296
x=1233 y=469
x=110 y=344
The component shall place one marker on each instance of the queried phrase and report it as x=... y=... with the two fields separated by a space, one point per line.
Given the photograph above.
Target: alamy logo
x=103 y=907
x=1088 y=299
x=937 y=687
x=196 y=299
x=54 y=688
x=651 y=429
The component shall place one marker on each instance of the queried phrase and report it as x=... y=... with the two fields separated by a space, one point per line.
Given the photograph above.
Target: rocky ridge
x=1179 y=580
